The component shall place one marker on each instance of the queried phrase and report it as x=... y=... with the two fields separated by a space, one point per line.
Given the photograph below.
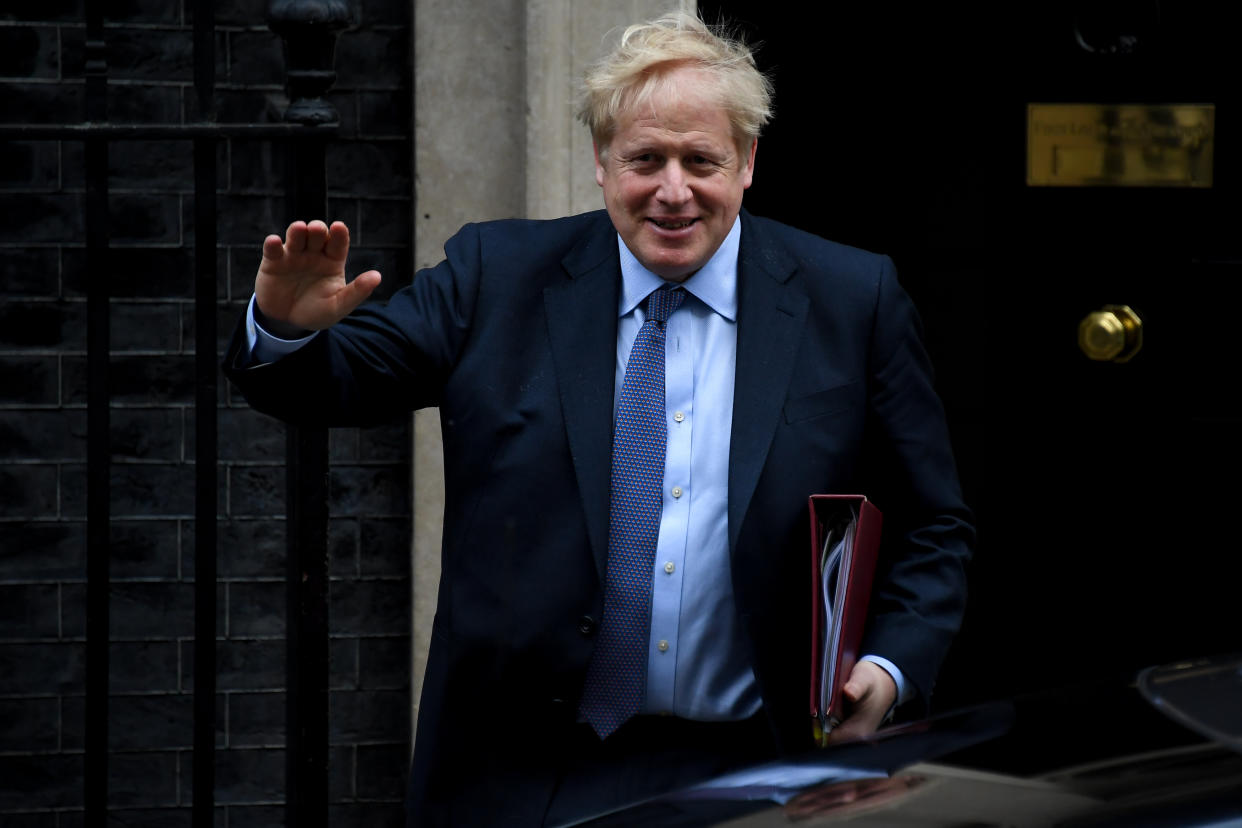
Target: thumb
x=356 y=292
x=854 y=690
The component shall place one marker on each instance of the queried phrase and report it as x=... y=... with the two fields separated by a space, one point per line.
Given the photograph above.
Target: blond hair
x=637 y=69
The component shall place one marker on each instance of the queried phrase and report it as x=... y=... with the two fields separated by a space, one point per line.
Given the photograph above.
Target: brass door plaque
x=1120 y=145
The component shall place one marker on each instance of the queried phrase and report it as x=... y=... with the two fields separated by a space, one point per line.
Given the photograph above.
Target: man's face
x=673 y=178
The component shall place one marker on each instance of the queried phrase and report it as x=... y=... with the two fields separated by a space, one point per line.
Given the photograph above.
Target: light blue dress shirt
x=267 y=348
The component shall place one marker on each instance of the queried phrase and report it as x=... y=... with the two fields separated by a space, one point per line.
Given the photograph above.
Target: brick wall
x=43 y=427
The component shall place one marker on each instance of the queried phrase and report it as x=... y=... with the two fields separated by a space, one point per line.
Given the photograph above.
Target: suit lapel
x=582 y=327
x=771 y=315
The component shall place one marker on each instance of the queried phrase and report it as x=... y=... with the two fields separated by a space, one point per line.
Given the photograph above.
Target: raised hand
x=301 y=281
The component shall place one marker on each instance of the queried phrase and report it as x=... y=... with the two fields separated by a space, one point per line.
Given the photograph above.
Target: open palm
x=301 y=281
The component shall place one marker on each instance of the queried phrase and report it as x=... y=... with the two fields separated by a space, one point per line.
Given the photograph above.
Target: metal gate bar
x=98 y=425
x=309 y=49
x=206 y=371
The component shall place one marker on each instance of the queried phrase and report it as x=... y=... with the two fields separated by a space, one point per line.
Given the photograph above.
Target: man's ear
x=748 y=173
x=599 y=163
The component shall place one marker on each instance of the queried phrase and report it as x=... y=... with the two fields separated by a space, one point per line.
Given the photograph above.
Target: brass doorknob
x=1112 y=334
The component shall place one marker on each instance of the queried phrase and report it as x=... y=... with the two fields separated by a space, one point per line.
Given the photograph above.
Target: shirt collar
x=715 y=283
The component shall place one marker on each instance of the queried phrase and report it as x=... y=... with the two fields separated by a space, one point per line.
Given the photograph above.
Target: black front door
x=1104 y=491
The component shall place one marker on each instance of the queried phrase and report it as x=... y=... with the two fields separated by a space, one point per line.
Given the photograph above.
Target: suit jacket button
x=586 y=626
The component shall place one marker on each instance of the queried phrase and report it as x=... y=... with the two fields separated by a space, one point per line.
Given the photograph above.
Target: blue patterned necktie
x=616 y=679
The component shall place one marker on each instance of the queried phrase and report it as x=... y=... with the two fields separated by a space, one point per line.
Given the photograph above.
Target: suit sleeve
x=920 y=593
x=380 y=361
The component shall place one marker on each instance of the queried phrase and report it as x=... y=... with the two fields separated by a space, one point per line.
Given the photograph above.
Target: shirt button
x=678 y=416
x=586 y=626
x=669 y=567
x=677 y=491
x=662 y=646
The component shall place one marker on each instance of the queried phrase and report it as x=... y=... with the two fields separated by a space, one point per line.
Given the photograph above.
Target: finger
x=356 y=292
x=295 y=237
x=861 y=723
x=273 y=248
x=316 y=236
x=337 y=246
x=848 y=731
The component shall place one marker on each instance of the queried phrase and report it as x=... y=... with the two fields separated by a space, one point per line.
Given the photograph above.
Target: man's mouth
x=673 y=224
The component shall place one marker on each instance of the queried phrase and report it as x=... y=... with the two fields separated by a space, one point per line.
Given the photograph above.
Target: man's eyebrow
x=638 y=149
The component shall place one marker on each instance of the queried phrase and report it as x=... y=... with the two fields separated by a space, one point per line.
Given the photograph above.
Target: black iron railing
x=309 y=29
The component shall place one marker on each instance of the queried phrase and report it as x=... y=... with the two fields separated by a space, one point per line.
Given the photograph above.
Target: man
x=782 y=365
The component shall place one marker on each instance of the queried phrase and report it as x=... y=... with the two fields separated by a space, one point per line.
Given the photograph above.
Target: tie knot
x=662 y=303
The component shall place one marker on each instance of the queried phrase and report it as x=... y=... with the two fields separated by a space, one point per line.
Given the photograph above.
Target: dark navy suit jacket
x=513 y=336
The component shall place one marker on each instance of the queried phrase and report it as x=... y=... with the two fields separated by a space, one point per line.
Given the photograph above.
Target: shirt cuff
x=263 y=346
x=904 y=691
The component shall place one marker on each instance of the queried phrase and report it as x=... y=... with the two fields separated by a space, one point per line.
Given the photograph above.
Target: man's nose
x=674 y=185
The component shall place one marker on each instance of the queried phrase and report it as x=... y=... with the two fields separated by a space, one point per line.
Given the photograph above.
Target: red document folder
x=845 y=535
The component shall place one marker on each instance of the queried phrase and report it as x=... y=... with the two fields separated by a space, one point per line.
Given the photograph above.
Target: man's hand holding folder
x=869 y=694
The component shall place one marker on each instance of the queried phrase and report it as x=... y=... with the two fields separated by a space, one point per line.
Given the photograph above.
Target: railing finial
x=309 y=29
